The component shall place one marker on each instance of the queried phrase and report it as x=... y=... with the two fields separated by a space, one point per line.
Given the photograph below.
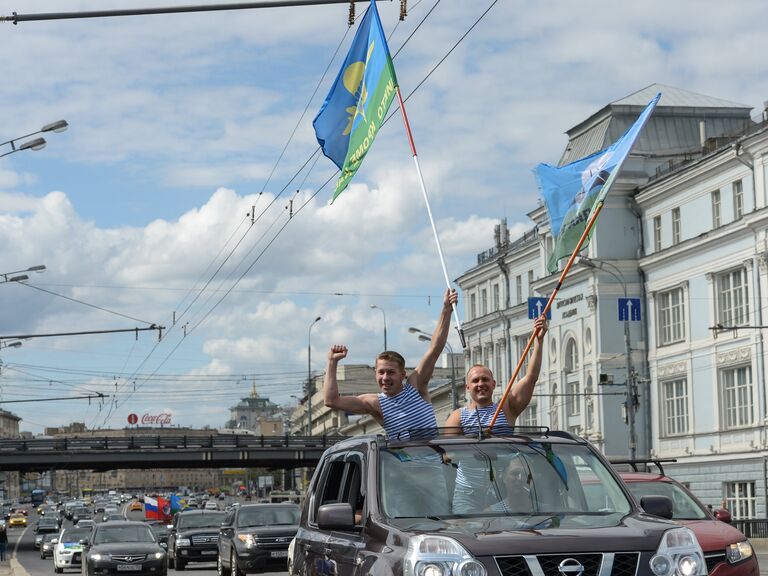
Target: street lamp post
x=9 y=276
x=424 y=337
x=37 y=143
x=384 y=314
x=309 y=376
x=599 y=265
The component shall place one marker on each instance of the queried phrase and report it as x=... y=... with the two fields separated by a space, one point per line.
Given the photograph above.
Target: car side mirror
x=657 y=506
x=336 y=516
x=723 y=515
x=84 y=541
x=164 y=545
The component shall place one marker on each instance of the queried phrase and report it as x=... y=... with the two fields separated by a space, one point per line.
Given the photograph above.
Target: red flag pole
x=429 y=211
x=582 y=240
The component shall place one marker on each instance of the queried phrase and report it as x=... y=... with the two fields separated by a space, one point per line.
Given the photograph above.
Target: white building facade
x=683 y=231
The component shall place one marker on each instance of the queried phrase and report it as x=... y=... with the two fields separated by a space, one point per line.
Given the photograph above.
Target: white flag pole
x=429 y=212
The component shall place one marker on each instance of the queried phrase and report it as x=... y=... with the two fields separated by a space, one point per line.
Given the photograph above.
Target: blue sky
x=178 y=120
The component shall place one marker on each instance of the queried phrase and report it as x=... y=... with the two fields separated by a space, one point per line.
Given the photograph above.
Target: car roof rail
x=646 y=461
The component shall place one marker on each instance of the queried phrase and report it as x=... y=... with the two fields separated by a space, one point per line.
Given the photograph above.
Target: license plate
x=129 y=567
x=209 y=552
x=279 y=554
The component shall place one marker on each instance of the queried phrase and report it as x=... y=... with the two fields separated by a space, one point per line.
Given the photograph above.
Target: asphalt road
x=21 y=544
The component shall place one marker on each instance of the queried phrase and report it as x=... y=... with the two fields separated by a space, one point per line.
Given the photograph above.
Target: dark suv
x=534 y=503
x=194 y=537
x=255 y=537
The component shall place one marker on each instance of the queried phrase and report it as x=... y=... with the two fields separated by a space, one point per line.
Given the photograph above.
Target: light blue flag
x=357 y=103
x=572 y=192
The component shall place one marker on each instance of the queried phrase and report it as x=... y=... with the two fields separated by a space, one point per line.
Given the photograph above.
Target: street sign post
x=629 y=309
x=536 y=307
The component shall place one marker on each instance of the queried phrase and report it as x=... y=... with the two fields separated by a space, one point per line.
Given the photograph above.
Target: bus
x=38 y=496
x=277 y=496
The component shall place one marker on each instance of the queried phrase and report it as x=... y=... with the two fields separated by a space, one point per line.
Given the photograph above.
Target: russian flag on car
x=150 y=509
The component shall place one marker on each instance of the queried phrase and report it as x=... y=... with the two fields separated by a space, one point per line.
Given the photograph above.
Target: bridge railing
x=160 y=442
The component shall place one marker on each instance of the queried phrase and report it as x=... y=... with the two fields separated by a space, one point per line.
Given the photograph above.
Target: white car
x=211 y=505
x=68 y=551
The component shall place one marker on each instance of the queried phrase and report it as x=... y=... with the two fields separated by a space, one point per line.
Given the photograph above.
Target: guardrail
x=158 y=442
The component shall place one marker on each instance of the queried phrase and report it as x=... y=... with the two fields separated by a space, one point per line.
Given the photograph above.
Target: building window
x=530 y=283
x=740 y=499
x=671 y=317
x=675 y=226
x=736 y=386
x=522 y=342
x=483 y=302
x=528 y=417
x=554 y=419
x=657 y=234
x=738 y=200
x=716 y=219
x=496 y=298
x=518 y=289
x=472 y=306
x=674 y=407
x=572 y=402
x=571 y=356
x=732 y=298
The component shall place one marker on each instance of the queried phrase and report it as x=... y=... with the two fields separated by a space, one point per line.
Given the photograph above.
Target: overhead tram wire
x=332 y=176
x=85 y=303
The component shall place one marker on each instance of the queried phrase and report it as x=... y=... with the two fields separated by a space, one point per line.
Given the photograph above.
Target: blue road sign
x=536 y=307
x=629 y=309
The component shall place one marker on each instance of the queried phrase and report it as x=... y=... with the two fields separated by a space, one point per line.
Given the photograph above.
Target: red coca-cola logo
x=132 y=418
x=156 y=419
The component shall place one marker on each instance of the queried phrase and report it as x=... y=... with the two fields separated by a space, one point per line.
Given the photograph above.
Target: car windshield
x=210 y=520
x=683 y=506
x=268 y=515
x=538 y=483
x=75 y=534
x=131 y=533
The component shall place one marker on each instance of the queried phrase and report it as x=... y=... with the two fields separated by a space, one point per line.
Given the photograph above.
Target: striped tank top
x=471 y=419
x=472 y=482
x=408 y=411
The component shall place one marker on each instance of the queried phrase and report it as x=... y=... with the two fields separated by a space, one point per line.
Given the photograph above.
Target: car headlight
x=181 y=542
x=679 y=554
x=159 y=555
x=96 y=557
x=440 y=556
x=739 y=551
x=247 y=539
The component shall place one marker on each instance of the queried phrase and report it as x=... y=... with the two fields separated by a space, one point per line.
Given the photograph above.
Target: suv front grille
x=201 y=539
x=623 y=564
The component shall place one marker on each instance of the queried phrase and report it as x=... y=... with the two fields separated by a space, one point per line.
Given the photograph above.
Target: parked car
x=68 y=550
x=48 y=544
x=119 y=547
x=539 y=502
x=194 y=537
x=255 y=538
x=727 y=551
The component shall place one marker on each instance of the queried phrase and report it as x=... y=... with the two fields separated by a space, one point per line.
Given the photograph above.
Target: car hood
x=270 y=531
x=543 y=534
x=126 y=548
x=187 y=532
x=713 y=535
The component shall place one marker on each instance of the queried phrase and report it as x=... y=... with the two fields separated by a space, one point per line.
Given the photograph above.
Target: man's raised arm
x=331 y=396
x=420 y=377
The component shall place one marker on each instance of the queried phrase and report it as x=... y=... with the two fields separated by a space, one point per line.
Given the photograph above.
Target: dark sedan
x=120 y=547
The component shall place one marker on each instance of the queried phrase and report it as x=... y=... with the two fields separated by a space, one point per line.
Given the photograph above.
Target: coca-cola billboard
x=162 y=419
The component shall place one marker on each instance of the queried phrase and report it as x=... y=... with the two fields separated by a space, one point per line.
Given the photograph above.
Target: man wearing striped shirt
x=403 y=406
